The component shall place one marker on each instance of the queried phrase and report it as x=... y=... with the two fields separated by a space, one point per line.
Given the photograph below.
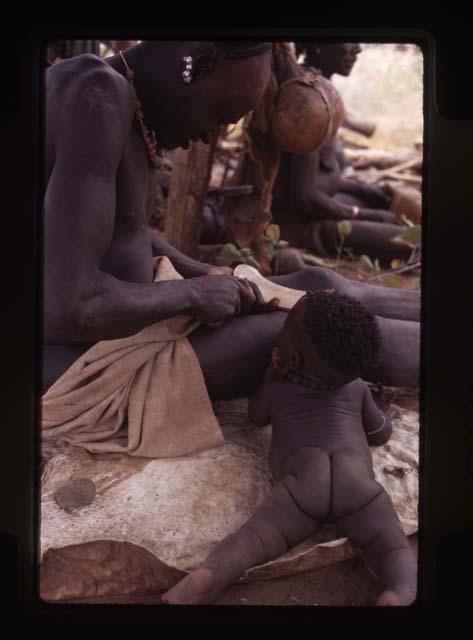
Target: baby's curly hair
x=343 y=331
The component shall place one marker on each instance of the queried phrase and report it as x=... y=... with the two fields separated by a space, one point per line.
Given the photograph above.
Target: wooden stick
x=407 y=267
x=399 y=176
x=236 y=190
x=188 y=187
x=404 y=165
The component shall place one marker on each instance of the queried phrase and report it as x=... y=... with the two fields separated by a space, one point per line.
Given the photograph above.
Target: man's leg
x=234 y=358
x=382 y=301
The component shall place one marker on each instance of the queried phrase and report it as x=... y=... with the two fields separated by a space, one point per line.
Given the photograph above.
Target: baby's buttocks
x=328 y=486
x=307 y=476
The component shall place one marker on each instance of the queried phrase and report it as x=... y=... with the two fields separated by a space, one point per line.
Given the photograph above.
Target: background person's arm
x=310 y=201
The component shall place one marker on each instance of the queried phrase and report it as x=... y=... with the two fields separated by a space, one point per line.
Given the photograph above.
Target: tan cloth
x=143 y=395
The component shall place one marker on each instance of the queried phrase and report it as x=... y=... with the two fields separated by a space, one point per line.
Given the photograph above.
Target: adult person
x=98 y=251
x=310 y=195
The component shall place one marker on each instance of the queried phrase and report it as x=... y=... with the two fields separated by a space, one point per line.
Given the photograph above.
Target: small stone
x=75 y=494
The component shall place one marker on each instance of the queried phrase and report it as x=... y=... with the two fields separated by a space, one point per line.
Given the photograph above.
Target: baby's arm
x=259 y=404
x=376 y=424
x=278 y=525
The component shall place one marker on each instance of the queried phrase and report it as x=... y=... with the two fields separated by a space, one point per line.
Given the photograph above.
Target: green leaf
x=376 y=265
x=230 y=252
x=273 y=232
x=246 y=252
x=283 y=243
x=410 y=236
x=345 y=227
x=406 y=221
x=415 y=284
x=365 y=263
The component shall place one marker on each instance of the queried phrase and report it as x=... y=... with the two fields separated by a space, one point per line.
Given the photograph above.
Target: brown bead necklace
x=149 y=137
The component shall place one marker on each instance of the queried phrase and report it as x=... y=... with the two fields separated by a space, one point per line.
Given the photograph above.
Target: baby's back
x=304 y=418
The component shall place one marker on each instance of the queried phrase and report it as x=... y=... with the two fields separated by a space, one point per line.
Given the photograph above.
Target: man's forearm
x=351 y=187
x=117 y=309
x=321 y=206
x=187 y=267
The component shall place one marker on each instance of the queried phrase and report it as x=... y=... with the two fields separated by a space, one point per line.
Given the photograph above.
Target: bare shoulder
x=88 y=105
x=73 y=75
x=354 y=389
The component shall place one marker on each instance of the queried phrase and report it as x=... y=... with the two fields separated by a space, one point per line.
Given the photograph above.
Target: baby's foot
x=388 y=599
x=199 y=587
x=396 y=598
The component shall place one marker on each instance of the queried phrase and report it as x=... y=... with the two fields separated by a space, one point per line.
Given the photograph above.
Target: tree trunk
x=189 y=183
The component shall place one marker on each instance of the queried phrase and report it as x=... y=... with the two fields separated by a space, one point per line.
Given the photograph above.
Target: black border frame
x=447 y=320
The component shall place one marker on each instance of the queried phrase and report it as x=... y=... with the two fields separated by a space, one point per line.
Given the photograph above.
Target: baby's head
x=328 y=336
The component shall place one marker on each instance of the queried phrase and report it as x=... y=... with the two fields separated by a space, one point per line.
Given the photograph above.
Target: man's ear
x=205 y=60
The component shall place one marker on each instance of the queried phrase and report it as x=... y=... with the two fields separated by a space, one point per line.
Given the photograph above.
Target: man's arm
x=372 y=195
x=310 y=201
x=377 y=425
x=89 y=122
x=187 y=267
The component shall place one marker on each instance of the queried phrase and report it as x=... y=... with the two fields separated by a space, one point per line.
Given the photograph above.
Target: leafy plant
x=411 y=236
x=233 y=254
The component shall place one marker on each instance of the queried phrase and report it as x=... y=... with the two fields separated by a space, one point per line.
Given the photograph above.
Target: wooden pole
x=189 y=184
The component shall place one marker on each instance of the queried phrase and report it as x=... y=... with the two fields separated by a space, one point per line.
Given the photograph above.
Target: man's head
x=187 y=89
x=330 y=336
x=330 y=57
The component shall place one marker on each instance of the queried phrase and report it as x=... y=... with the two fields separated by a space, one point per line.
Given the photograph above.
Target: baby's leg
x=281 y=522
x=364 y=512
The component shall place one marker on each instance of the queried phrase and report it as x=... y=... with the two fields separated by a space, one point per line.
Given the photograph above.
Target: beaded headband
x=215 y=50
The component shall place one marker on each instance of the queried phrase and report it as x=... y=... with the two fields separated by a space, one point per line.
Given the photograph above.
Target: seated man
x=98 y=251
x=310 y=195
x=323 y=417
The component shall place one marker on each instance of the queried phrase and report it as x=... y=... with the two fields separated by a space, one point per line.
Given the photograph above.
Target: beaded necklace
x=149 y=137
x=297 y=377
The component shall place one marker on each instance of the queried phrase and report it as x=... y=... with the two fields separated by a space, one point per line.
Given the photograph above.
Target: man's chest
x=135 y=188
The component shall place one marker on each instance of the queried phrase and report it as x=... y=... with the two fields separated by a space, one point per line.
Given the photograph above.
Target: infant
x=324 y=418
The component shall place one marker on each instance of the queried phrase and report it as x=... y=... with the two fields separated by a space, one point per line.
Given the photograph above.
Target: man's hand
x=221 y=297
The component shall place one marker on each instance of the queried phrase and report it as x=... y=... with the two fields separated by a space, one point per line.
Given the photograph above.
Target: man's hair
x=342 y=330
x=242 y=49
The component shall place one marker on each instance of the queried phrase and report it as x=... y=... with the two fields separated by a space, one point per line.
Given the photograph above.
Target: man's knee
x=315 y=278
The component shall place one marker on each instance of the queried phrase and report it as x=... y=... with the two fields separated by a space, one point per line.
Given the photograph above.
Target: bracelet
x=355 y=211
x=370 y=433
